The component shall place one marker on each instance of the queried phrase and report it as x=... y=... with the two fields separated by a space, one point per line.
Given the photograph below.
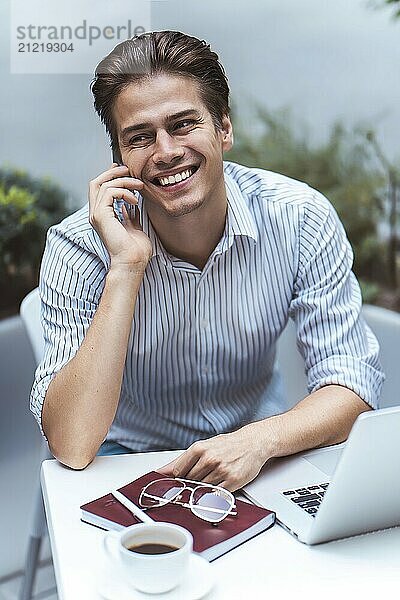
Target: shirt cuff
x=37 y=397
x=347 y=371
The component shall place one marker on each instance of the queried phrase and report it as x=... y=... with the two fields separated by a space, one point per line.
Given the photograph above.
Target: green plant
x=28 y=207
x=342 y=168
x=369 y=291
x=395 y=4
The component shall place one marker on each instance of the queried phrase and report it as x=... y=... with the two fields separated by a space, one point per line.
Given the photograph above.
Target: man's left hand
x=230 y=460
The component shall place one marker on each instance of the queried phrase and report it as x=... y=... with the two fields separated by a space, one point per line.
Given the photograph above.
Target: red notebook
x=211 y=541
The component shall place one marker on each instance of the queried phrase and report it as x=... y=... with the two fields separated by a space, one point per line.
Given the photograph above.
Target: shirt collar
x=239 y=221
x=239 y=218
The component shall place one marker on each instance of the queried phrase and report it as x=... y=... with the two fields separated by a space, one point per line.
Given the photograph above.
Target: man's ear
x=227 y=133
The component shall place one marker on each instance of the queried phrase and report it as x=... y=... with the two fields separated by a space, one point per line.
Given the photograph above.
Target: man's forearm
x=233 y=459
x=323 y=418
x=82 y=399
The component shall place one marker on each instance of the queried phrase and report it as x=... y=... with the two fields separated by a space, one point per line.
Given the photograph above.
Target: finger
x=213 y=478
x=111 y=174
x=106 y=198
x=110 y=190
x=127 y=218
x=203 y=472
x=168 y=469
x=234 y=481
x=128 y=182
x=108 y=193
x=110 y=177
x=185 y=462
x=104 y=203
x=228 y=485
x=132 y=217
x=136 y=219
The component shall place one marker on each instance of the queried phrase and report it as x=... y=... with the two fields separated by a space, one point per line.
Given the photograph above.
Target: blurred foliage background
x=350 y=169
x=395 y=4
x=28 y=207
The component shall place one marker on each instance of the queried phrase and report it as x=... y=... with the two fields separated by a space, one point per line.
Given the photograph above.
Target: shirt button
x=204 y=323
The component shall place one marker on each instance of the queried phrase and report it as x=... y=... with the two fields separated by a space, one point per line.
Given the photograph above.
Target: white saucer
x=196 y=584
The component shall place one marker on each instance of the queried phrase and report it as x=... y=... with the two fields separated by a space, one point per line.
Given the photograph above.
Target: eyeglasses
x=208 y=502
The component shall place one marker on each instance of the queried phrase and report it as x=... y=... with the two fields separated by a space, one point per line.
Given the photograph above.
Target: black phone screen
x=116 y=159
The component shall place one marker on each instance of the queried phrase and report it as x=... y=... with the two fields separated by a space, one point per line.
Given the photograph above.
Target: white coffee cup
x=151 y=573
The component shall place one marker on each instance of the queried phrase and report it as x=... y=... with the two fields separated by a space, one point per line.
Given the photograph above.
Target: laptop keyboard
x=308 y=498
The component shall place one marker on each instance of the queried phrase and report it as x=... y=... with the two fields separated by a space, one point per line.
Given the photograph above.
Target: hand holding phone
x=128 y=246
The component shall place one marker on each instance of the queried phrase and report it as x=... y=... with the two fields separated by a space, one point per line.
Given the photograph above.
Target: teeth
x=176 y=178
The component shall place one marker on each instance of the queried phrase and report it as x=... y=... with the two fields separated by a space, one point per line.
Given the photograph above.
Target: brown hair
x=154 y=53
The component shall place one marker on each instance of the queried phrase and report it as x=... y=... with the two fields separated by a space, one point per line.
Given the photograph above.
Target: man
x=161 y=315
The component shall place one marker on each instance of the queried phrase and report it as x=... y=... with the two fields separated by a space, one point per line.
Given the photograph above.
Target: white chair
x=291 y=366
x=30 y=315
x=20 y=446
x=386 y=326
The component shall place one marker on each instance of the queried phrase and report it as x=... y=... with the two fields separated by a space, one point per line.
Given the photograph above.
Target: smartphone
x=117 y=201
x=115 y=159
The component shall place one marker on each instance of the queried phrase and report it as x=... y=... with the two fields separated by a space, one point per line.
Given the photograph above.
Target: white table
x=271 y=565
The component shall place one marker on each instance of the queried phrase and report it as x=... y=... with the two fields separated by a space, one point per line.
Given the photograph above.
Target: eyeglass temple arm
x=163 y=501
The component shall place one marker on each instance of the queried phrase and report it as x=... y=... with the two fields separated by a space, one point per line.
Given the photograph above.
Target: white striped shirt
x=201 y=352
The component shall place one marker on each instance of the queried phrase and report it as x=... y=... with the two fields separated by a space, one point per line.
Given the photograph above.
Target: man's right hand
x=90 y=382
x=129 y=247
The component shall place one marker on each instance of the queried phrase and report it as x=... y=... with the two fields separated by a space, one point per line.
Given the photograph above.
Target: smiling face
x=168 y=140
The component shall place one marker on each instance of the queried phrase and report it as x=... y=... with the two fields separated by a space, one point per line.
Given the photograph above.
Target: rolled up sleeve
x=337 y=345
x=70 y=285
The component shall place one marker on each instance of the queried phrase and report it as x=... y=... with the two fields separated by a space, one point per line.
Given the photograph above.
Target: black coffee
x=153 y=548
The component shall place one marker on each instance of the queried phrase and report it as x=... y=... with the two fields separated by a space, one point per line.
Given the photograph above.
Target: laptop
x=337 y=491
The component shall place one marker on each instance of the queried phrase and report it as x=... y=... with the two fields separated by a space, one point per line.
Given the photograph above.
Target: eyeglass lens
x=161 y=491
x=205 y=498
